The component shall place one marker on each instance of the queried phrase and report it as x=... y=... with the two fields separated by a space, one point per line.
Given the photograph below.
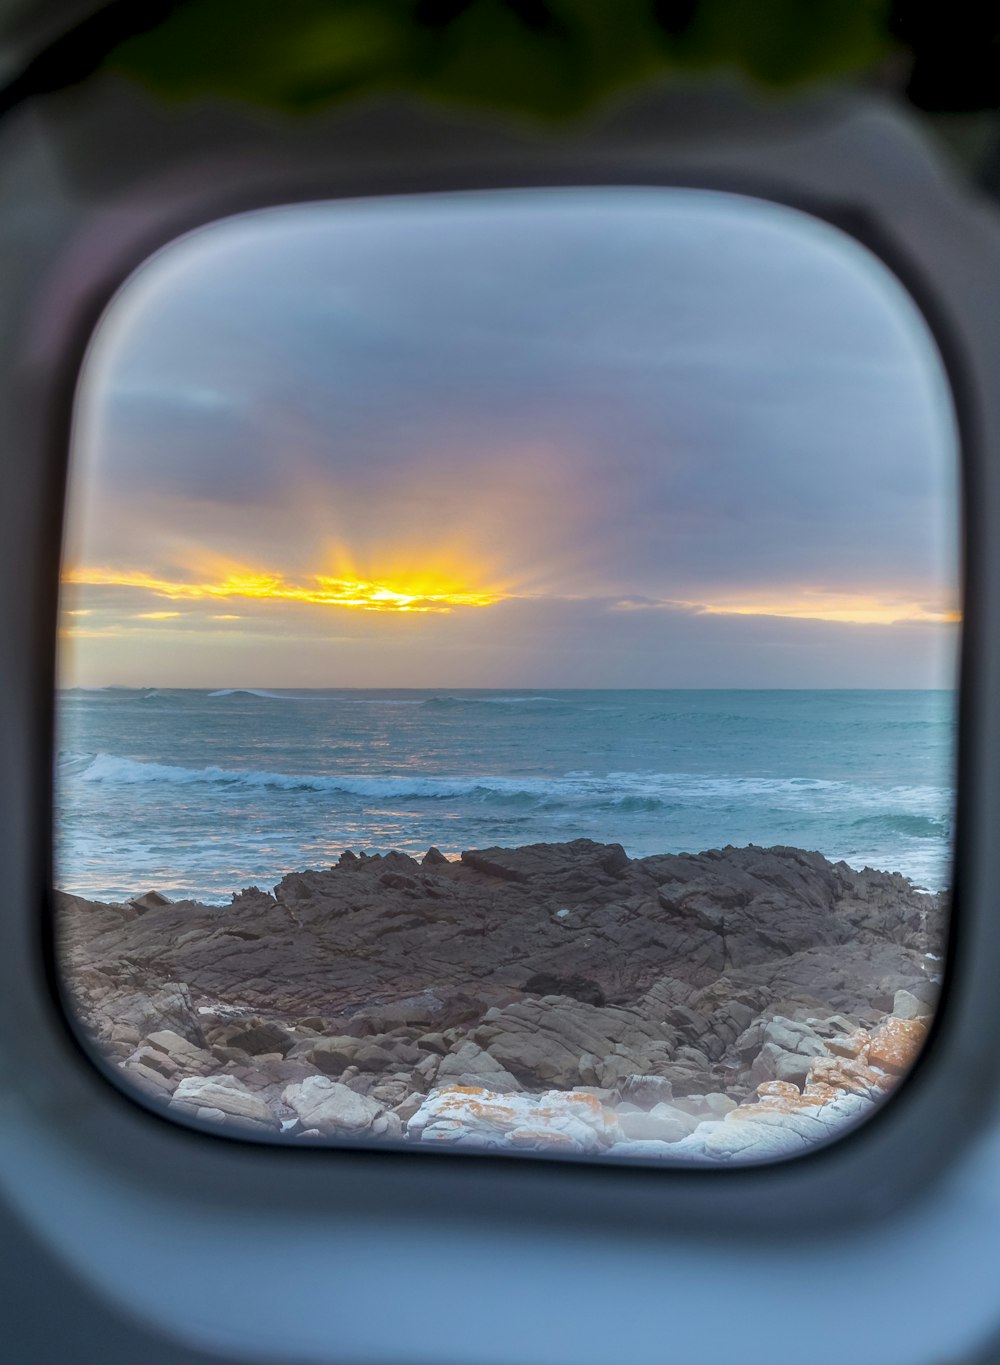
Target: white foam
x=253 y=692
x=574 y=790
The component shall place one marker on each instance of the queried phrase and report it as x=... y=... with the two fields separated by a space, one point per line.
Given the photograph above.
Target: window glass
x=507 y=659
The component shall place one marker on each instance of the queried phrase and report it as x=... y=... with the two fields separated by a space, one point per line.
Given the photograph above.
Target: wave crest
x=626 y=792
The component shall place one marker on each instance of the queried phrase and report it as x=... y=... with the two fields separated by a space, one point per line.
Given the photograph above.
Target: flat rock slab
x=555 y=1121
x=223 y=1095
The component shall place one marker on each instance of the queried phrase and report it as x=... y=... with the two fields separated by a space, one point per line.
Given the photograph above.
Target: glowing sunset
x=665 y=441
x=322 y=591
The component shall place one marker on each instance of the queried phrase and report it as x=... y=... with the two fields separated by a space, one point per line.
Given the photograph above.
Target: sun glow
x=317 y=590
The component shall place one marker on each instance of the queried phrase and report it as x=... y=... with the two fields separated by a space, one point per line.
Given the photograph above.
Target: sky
x=562 y=438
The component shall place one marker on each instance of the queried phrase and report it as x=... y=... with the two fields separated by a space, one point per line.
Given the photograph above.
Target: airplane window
x=508 y=648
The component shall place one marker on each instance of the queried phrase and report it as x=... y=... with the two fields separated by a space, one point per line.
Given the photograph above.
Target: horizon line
x=539 y=688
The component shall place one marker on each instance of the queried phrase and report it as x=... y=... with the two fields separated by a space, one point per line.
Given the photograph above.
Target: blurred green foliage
x=547 y=58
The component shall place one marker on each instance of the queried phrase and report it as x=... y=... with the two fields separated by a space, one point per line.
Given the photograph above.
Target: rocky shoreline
x=737 y=1004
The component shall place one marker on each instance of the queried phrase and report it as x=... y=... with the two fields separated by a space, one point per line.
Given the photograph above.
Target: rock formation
x=733 y=1004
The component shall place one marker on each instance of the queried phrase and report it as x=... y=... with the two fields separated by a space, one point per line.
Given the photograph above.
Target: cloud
x=518 y=643
x=674 y=398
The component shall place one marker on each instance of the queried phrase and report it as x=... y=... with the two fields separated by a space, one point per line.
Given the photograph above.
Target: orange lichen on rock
x=820 y=1093
x=856 y=1044
x=588 y=1101
x=773 y=1092
x=475 y=1100
x=827 y=1080
x=775 y=1097
x=549 y=1110
x=844 y=1073
x=554 y=1120
x=896 y=1043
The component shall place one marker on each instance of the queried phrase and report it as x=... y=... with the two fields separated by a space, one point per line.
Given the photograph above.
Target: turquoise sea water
x=201 y=793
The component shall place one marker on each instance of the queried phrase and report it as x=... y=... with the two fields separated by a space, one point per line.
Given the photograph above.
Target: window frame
x=111 y=177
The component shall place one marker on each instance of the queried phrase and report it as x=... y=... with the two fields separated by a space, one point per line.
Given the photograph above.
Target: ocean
x=200 y=793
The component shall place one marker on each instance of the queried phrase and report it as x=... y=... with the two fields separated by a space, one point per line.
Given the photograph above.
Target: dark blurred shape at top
x=547 y=59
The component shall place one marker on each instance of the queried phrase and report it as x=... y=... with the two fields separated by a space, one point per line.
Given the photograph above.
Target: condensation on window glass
x=507 y=665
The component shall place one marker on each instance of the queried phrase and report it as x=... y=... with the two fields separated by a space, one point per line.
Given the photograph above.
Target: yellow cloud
x=435 y=590
x=319 y=590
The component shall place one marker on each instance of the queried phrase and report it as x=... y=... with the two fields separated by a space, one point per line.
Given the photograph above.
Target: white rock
x=905 y=1005
x=655 y=1127
x=555 y=1121
x=666 y=1110
x=227 y=1095
x=815 y=1122
x=747 y=1140
x=693 y=1146
x=335 y=1109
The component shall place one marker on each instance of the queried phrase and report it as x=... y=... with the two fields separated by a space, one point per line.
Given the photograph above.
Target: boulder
x=906 y=1005
x=330 y=1055
x=334 y=1109
x=230 y=1097
x=185 y=1055
x=150 y=1080
x=775 y=1063
x=896 y=1043
x=551 y=1122
x=469 y=1064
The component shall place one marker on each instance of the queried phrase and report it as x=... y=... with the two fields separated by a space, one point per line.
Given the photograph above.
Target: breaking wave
x=624 y=791
x=254 y=692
